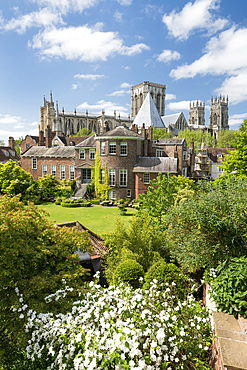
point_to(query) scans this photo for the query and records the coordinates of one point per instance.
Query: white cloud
(225, 54)
(125, 85)
(7, 119)
(108, 106)
(74, 86)
(5, 134)
(237, 119)
(88, 76)
(66, 6)
(118, 16)
(119, 93)
(42, 18)
(179, 106)
(168, 55)
(170, 96)
(127, 67)
(125, 2)
(34, 124)
(83, 43)
(197, 15)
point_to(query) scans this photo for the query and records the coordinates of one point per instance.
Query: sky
(90, 52)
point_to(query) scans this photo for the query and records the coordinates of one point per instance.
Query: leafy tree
(160, 133)
(84, 132)
(101, 190)
(140, 241)
(2, 143)
(13, 179)
(227, 138)
(162, 193)
(198, 136)
(17, 143)
(210, 227)
(236, 161)
(34, 257)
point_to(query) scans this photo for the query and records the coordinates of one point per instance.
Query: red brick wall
(118, 162)
(27, 141)
(26, 164)
(215, 356)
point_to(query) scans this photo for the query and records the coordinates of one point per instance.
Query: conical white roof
(149, 114)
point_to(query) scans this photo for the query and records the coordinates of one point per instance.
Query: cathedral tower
(197, 114)
(218, 119)
(139, 93)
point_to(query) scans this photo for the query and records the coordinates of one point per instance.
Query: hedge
(71, 205)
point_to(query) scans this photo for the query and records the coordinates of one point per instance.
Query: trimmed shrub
(130, 272)
(167, 273)
(95, 201)
(75, 204)
(122, 209)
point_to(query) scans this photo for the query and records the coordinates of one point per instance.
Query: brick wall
(27, 142)
(26, 164)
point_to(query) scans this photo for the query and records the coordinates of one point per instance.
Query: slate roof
(214, 152)
(120, 132)
(57, 151)
(169, 141)
(7, 153)
(149, 114)
(88, 142)
(171, 119)
(156, 164)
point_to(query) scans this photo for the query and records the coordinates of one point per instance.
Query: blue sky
(90, 53)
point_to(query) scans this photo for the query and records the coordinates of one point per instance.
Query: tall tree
(227, 139)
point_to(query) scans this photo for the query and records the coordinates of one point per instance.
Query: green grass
(100, 220)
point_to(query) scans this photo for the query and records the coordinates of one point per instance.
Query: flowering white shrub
(122, 328)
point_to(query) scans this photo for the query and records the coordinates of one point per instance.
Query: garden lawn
(98, 219)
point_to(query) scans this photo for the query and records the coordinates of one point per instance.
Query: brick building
(8, 152)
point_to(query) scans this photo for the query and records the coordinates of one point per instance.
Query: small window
(112, 194)
(27, 146)
(185, 156)
(71, 172)
(219, 155)
(123, 177)
(34, 163)
(159, 153)
(44, 169)
(146, 178)
(102, 176)
(62, 172)
(112, 148)
(53, 170)
(128, 193)
(81, 153)
(112, 177)
(123, 148)
(92, 154)
(102, 148)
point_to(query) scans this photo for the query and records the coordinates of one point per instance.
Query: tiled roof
(169, 141)
(214, 153)
(156, 164)
(88, 142)
(7, 153)
(148, 114)
(58, 151)
(120, 132)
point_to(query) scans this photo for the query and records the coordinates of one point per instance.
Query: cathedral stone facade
(197, 114)
(218, 119)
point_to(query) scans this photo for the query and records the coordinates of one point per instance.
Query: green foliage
(101, 190)
(236, 161)
(90, 191)
(75, 203)
(164, 274)
(84, 132)
(209, 228)
(227, 139)
(198, 136)
(2, 143)
(17, 143)
(95, 201)
(160, 133)
(130, 272)
(229, 288)
(122, 209)
(140, 241)
(34, 256)
(162, 194)
(13, 179)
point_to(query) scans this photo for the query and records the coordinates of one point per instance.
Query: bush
(122, 209)
(95, 201)
(166, 273)
(229, 288)
(130, 272)
(75, 204)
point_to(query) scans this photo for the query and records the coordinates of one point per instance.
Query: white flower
(21, 316)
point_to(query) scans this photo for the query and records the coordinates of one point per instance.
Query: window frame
(71, 172)
(128, 193)
(102, 147)
(111, 145)
(92, 154)
(44, 172)
(123, 177)
(81, 153)
(185, 155)
(145, 174)
(113, 192)
(62, 171)
(125, 146)
(159, 151)
(112, 174)
(34, 167)
(102, 175)
(52, 170)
